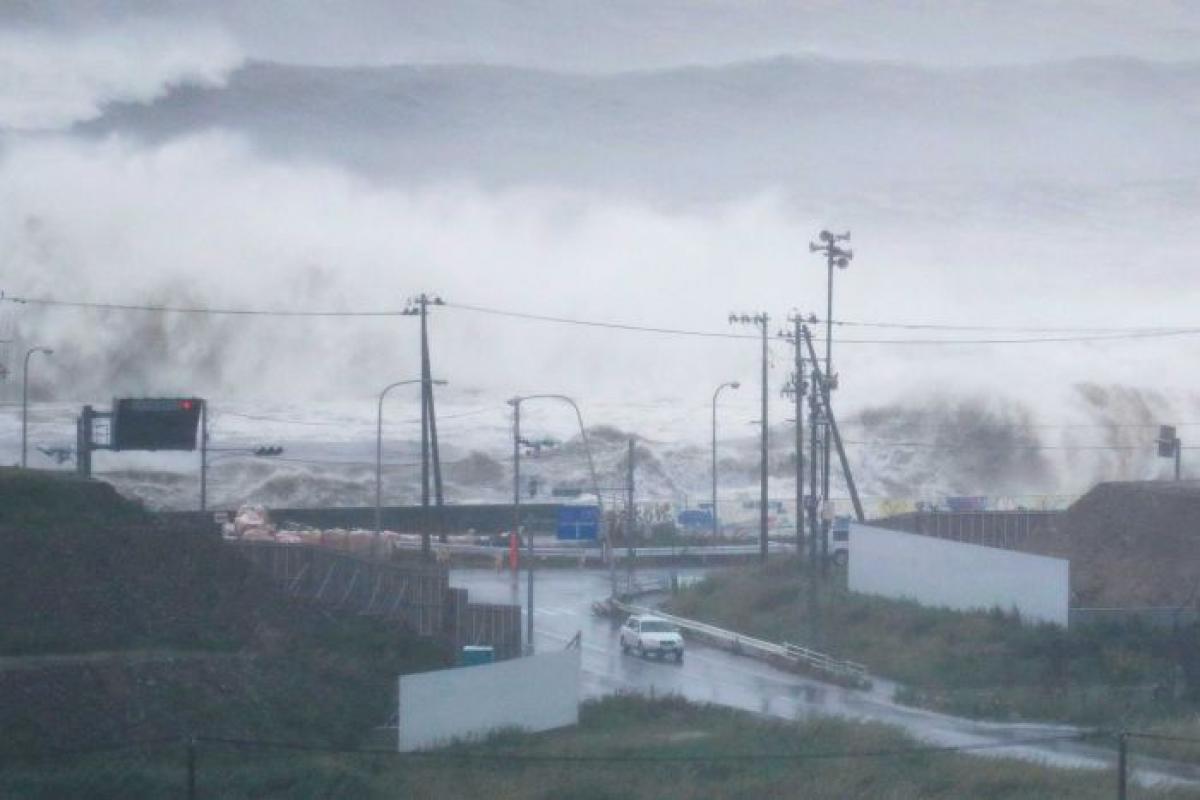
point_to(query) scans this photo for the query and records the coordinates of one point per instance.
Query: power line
(206, 310)
(1052, 425)
(938, 446)
(1101, 336)
(600, 324)
(342, 424)
(1108, 335)
(918, 326)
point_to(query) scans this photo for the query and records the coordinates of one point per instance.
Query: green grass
(986, 664)
(708, 737)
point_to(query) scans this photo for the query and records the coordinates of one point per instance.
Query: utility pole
(796, 389)
(83, 442)
(762, 321)
(419, 306)
(835, 256)
(516, 404)
(813, 459)
(427, 389)
(630, 511)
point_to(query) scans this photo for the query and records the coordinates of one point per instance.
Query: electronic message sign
(155, 423)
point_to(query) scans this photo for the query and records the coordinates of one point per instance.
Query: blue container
(474, 654)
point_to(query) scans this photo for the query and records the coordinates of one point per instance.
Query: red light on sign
(186, 405)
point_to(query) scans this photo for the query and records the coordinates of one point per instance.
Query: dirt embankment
(1134, 545)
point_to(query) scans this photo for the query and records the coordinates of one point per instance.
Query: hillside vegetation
(118, 628)
(986, 664)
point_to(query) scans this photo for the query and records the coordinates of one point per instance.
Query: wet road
(562, 604)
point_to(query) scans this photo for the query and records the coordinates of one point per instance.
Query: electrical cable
(166, 309)
(1102, 336)
(938, 446)
(1092, 335)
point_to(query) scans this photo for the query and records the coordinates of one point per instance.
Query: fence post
(191, 768)
(1122, 765)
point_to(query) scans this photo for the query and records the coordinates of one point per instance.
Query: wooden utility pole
(419, 306)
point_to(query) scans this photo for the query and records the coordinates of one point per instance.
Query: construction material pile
(1134, 545)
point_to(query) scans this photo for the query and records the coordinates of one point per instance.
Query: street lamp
(731, 385)
(25, 401)
(379, 462)
(587, 448)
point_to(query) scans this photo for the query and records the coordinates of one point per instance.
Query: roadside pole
(630, 511)
(203, 455)
(799, 390)
(516, 404)
(1122, 765)
(762, 514)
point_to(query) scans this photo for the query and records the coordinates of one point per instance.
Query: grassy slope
(985, 664)
(618, 725)
(213, 647)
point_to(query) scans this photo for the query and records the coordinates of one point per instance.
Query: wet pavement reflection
(563, 601)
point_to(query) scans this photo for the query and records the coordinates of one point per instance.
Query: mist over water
(653, 185)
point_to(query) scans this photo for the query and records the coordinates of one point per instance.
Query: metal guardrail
(596, 553)
(849, 673)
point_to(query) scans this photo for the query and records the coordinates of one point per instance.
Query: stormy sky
(1018, 165)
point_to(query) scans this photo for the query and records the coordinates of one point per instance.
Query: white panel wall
(536, 693)
(940, 572)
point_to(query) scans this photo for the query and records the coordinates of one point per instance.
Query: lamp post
(379, 461)
(731, 385)
(516, 404)
(25, 401)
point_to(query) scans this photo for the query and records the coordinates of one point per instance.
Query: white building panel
(949, 574)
